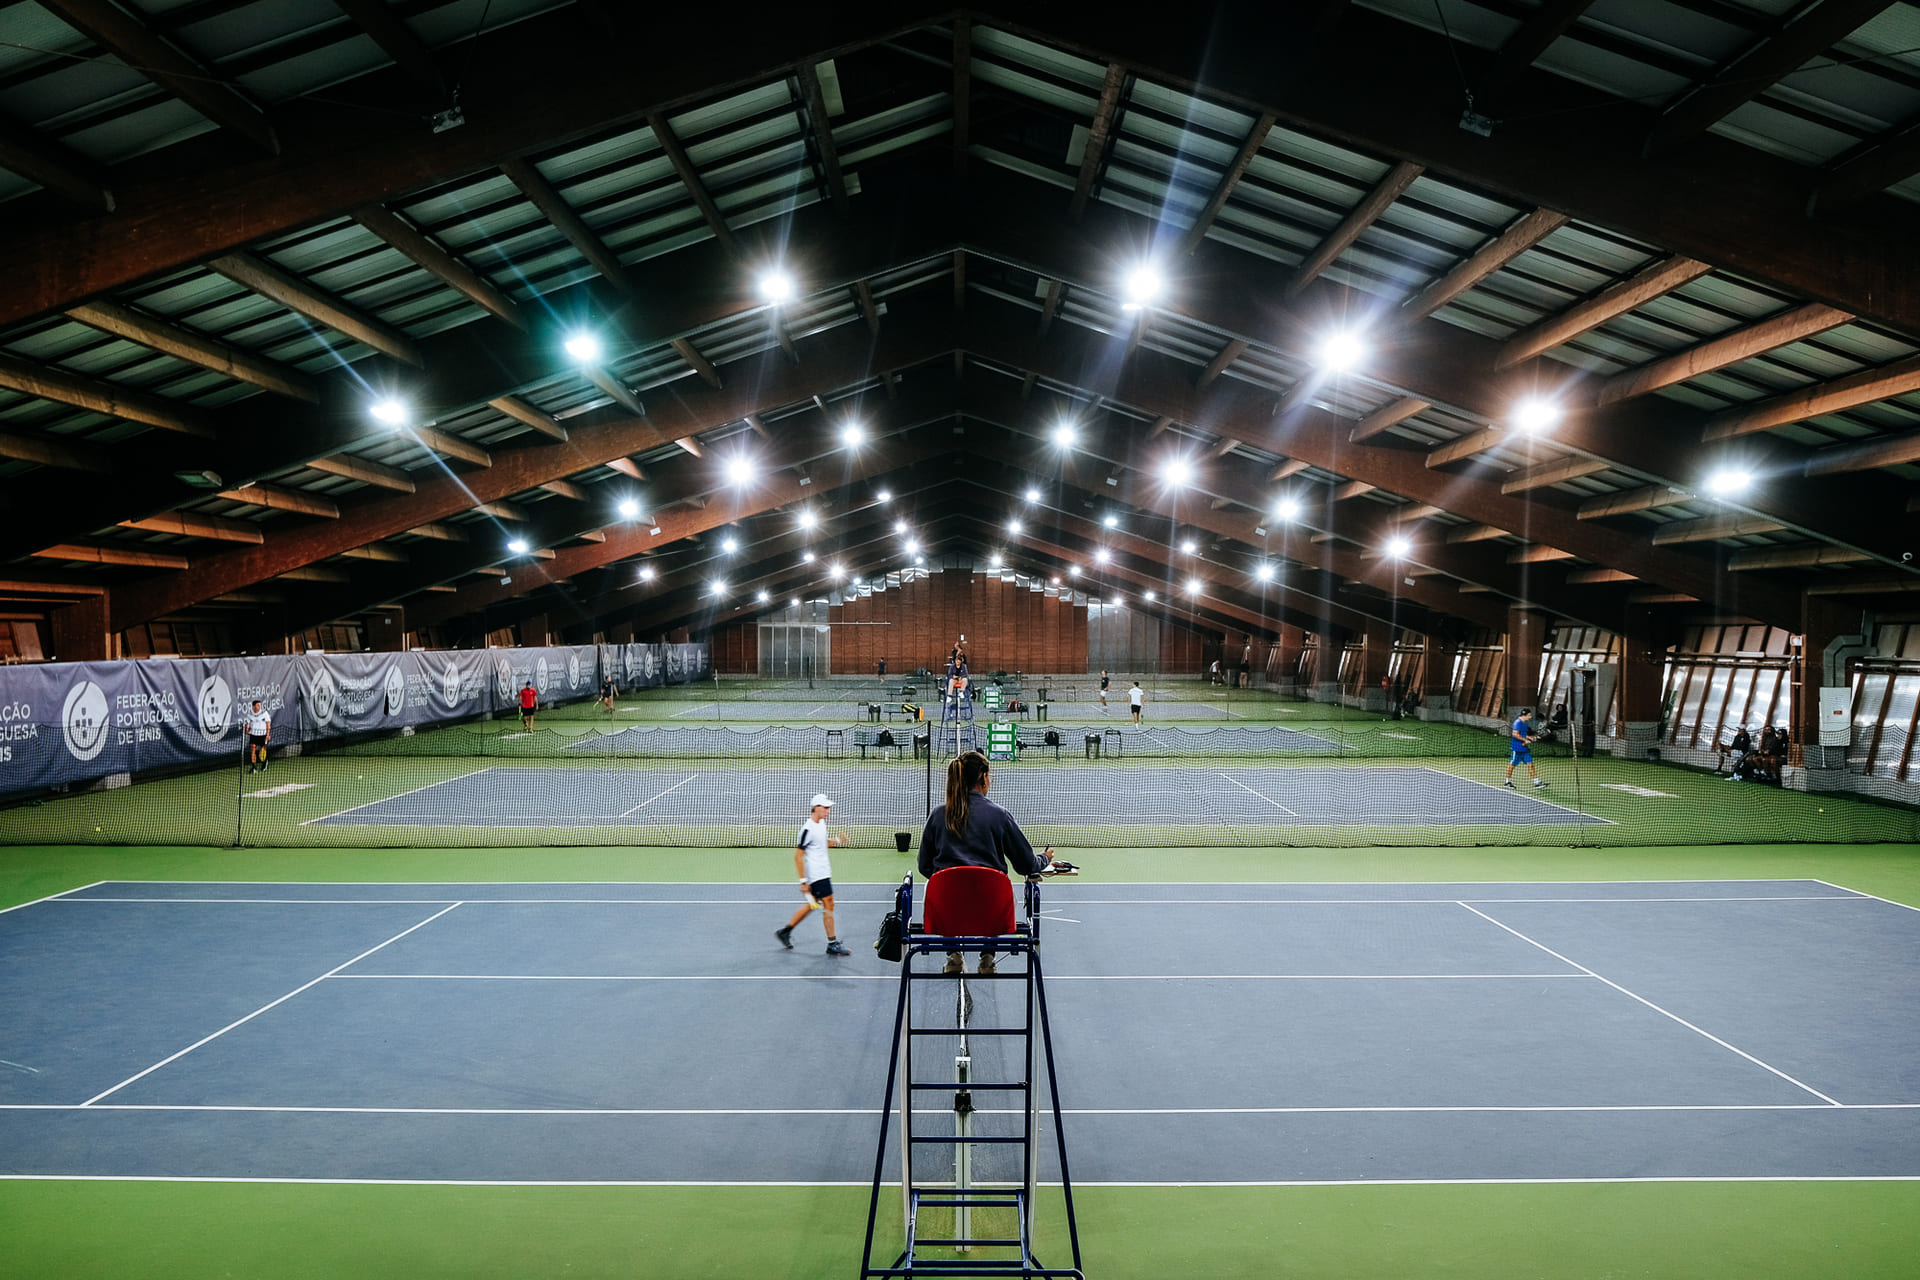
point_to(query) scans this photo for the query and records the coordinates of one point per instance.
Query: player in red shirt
(529, 701)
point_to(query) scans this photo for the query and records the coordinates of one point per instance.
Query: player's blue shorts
(1522, 755)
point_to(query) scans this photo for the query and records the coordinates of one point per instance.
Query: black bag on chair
(893, 925)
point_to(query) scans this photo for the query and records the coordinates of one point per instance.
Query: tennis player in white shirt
(259, 733)
(816, 875)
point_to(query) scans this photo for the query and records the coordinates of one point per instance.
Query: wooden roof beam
(1537, 555)
(1221, 363)
(1350, 489)
(565, 489)
(519, 410)
(1390, 414)
(377, 551)
(1841, 459)
(690, 178)
(814, 103)
(1646, 498)
(365, 471)
(1734, 524)
(698, 363)
(1595, 577)
(50, 382)
(148, 52)
(438, 531)
(192, 524)
(1849, 392)
(1654, 280)
(395, 39)
(863, 291)
(1291, 467)
(1811, 556)
(125, 555)
(1525, 232)
(962, 92)
(1223, 190)
(186, 344)
(277, 499)
(545, 197)
(1883, 163)
(1559, 471)
(271, 281)
(1099, 135)
(433, 258)
(1462, 534)
(54, 451)
(1717, 353)
(502, 511)
(36, 155)
(1810, 32)
(1466, 446)
(1350, 228)
(451, 446)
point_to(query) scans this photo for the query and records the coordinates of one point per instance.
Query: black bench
(880, 740)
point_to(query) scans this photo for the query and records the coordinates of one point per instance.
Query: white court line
(787, 900)
(1573, 1108)
(1250, 791)
(263, 1008)
(396, 795)
(702, 706)
(1078, 1182)
(650, 799)
(54, 897)
(1873, 896)
(1584, 817)
(1656, 1008)
(888, 977)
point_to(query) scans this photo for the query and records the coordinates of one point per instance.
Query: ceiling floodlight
(919, 560)
(740, 470)
(777, 286)
(835, 572)
(853, 435)
(585, 348)
(1535, 416)
(913, 545)
(1141, 287)
(806, 557)
(730, 546)
(1064, 434)
(1195, 586)
(761, 595)
(1189, 547)
(518, 546)
(794, 603)
(899, 526)
(1263, 571)
(1286, 509)
(1729, 482)
(1056, 580)
(1110, 521)
(1148, 596)
(718, 587)
(389, 412)
(1399, 545)
(885, 495)
(1103, 555)
(646, 573)
(1014, 526)
(1177, 472)
(994, 563)
(1341, 352)
(809, 518)
(1073, 571)
(629, 508)
(857, 579)
(1033, 495)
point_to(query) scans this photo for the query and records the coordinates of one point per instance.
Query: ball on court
(98, 828)
(1823, 811)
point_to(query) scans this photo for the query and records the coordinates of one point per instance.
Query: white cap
(820, 800)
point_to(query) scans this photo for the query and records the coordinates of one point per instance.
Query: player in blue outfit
(1522, 738)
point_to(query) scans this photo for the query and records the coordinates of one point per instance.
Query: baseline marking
(1584, 817)
(396, 795)
(263, 1008)
(1656, 1008)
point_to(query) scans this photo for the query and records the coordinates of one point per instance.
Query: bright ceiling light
(1103, 555)
(761, 595)
(740, 470)
(1533, 416)
(389, 412)
(806, 557)
(1064, 435)
(585, 348)
(857, 579)
(913, 545)
(1056, 580)
(646, 573)
(1729, 482)
(809, 518)
(1263, 571)
(1014, 526)
(1111, 521)
(1194, 586)
(835, 572)
(1148, 596)
(794, 603)
(885, 495)
(777, 286)
(1073, 571)
(853, 435)
(1177, 472)
(1033, 495)
(994, 563)
(518, 546)
(1189, 547)
(718, 587)
(629, 508)
(1141, 287)
(1399, 545)
(1286, 509)
(918, 560)
(1341, 352)
(899, 526)
(730, 546)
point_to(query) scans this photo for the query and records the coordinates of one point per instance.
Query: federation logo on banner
(503, 679)
(84, 719)
(573, 671)
(450, 684)
(542, 678)
(646, 663)
(215, 707)
(324, 698)
(634, 655)
(396, 690)
(673, 661)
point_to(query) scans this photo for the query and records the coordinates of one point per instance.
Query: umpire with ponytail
(970, 830)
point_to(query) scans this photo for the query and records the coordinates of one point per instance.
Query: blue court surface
(1205, 1034)
(872, 793)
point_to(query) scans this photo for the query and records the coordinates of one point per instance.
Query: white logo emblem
(673, 662)
(503, 679)
(542, 678)
(450, 684)
(396, 691)
(84, 717)
(634, 654)
(324, 697)
(646, 663)
(573, 671)
(215, 704)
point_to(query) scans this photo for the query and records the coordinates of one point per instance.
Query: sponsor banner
(69, 723)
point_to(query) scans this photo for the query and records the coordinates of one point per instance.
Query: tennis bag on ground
(893, 926)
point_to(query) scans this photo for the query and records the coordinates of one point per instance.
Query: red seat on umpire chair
(969, 902)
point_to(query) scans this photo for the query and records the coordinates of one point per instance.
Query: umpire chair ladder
(956, 720)
(933, 1004)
